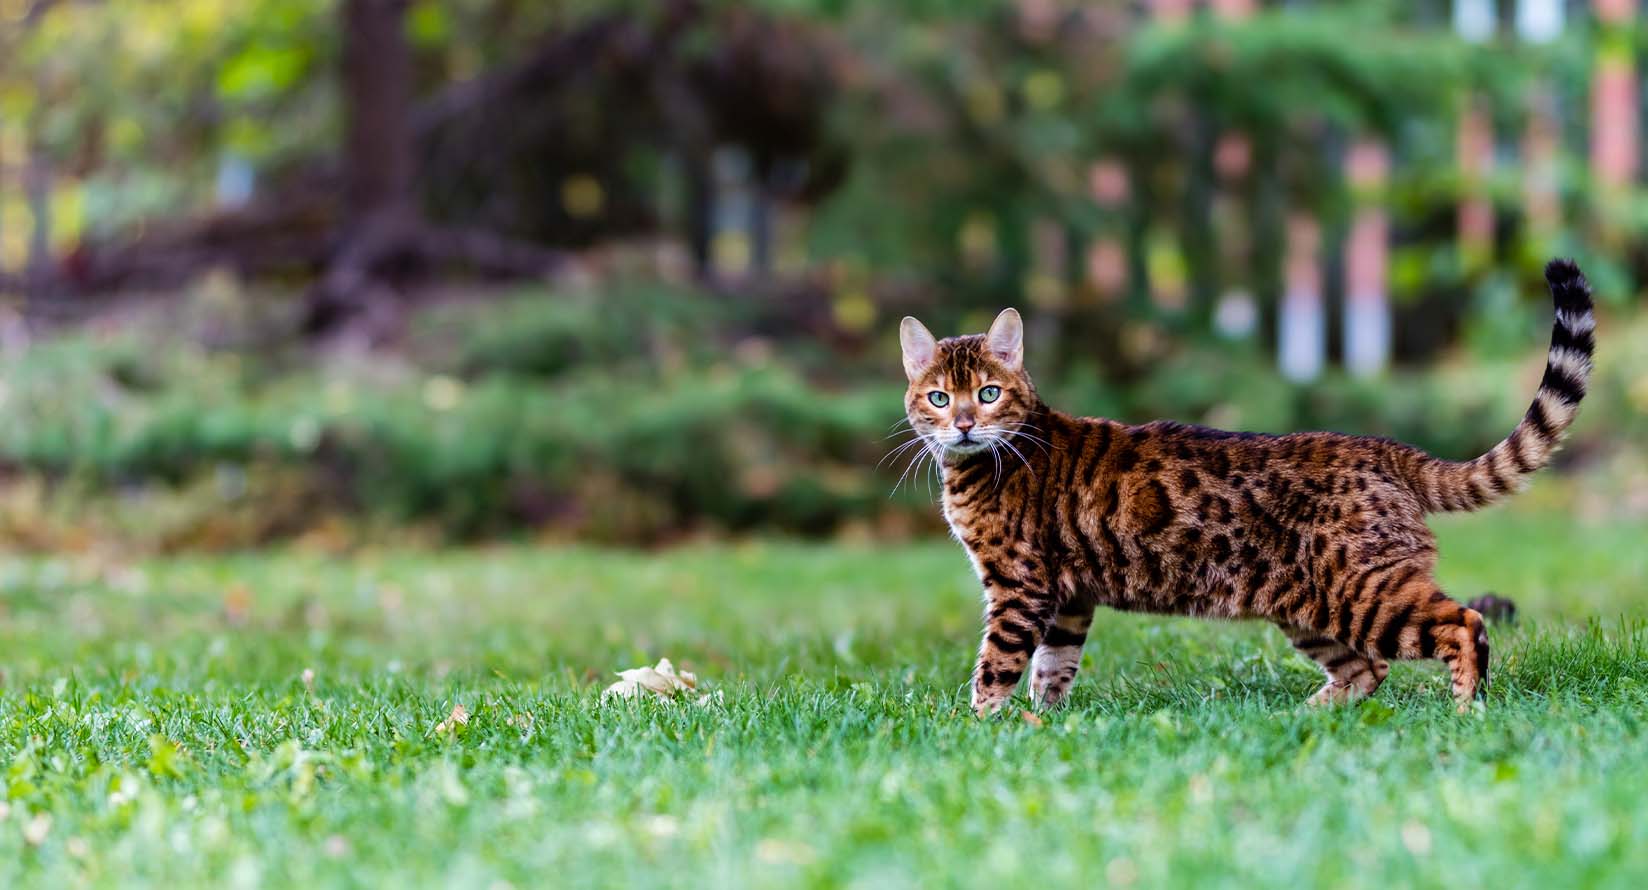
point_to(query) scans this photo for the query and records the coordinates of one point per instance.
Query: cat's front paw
(1049, 693)
(1050, 683)
(988, 702)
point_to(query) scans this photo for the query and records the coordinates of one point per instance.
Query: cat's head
(968, 393)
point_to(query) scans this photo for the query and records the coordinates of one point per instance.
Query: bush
(619, 450)
(610, 422)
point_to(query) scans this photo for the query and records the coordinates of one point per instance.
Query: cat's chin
(963, 449)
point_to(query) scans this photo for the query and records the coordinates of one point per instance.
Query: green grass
(156, 714)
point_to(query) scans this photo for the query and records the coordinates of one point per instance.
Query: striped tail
(1444, 485)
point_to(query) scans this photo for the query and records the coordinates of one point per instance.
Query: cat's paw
(1335, 694)
(1049, 691)
(986, 704)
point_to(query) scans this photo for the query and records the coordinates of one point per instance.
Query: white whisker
(891, 455)
(928, 445)
(1018, 430)
(1015, 450)
(901, 476)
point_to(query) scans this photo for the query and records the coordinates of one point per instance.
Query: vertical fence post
(1541, 21)
(1106, 254)
(1475, 21)
(1234, 313)
(1474, 155)
(1237, 313)
(1614, 129)
(1302, 335)
(1367, 310)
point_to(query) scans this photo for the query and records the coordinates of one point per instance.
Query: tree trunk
(377, 91)
(37, 179)
(380, 219)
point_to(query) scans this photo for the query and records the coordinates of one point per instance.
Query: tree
(380, 213)
(377, 81)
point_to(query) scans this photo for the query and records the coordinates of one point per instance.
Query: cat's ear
(919, 346)
(1006, 339)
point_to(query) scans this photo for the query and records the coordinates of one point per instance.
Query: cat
(1320, 533)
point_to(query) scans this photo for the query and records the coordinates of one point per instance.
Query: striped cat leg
(1350, 674)
(1415, 619)
(1054, 666)
(1014, 623)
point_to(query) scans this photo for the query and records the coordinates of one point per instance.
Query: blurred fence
(1339, 183)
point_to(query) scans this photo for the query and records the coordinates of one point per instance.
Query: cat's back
(1249, 453)
(1200, 472)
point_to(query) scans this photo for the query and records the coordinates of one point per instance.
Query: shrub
(606, 421)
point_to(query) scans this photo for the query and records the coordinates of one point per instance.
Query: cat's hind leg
(1053, 667)
(1415, 619)
(1403, 613)
(1351, 675)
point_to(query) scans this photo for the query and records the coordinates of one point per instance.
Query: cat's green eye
(989, 394)
(939, 398)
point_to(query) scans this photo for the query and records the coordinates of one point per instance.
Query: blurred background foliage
(292, 269)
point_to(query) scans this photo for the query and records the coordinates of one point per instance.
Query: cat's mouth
(966, 443)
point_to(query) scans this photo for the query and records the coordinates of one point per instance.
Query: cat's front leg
(1017, 613)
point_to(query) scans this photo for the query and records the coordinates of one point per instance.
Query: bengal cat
(1321, 533)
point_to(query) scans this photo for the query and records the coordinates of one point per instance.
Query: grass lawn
(156, 728)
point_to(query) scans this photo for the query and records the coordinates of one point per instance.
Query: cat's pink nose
(964, 423)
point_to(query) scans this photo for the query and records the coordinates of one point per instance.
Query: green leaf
(165, 759)
(261, 71)
(1375, 712)
(427, 24)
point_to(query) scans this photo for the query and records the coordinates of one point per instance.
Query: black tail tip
(1494, 608)
(1568, 284)
(1563, 271)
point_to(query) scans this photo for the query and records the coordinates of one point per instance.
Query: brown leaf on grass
(1030, 718)
(458, 717)
(237, 605)
(661, 680)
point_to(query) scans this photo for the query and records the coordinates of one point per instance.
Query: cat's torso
(1184, 520)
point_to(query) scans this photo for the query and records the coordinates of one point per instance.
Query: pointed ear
(1006, 339)
(919, 346)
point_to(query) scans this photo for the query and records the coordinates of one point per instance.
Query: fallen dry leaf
(1030, 718)
(237, 605)
(36, 829)
(774, 851)
(661, 679)
(458, 717)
